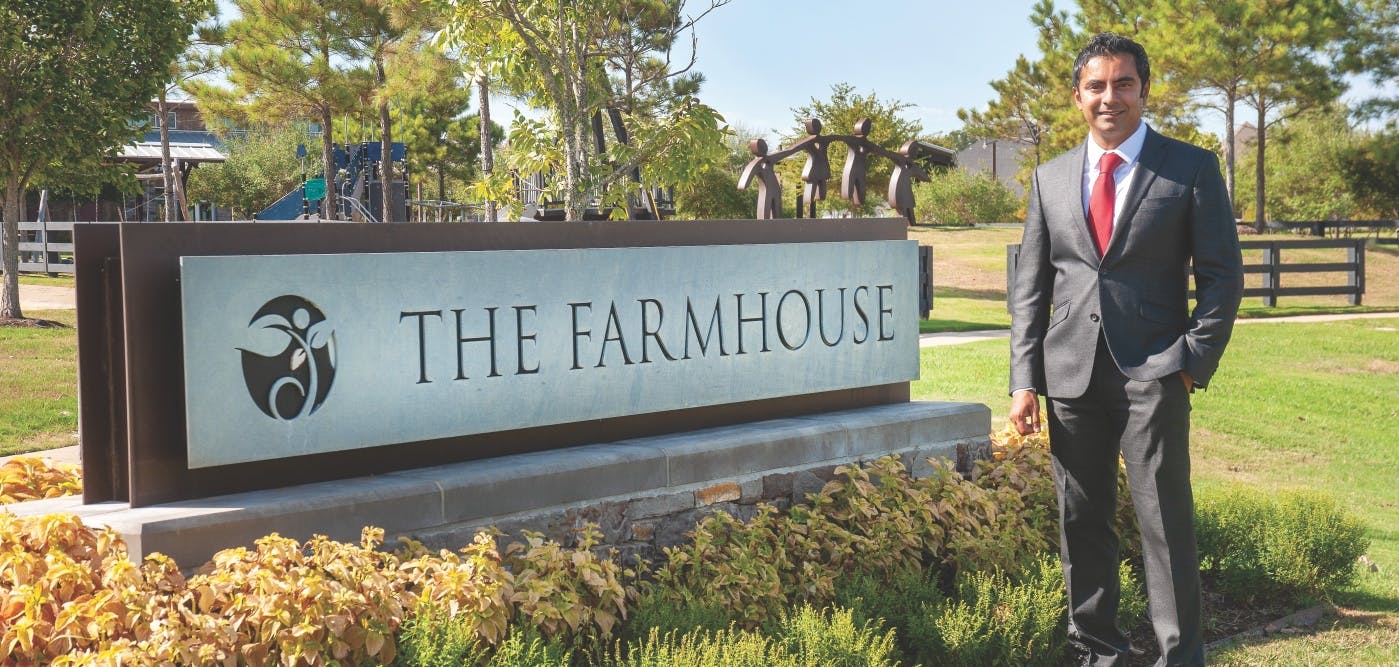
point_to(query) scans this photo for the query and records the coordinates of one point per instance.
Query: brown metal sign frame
(130, 354)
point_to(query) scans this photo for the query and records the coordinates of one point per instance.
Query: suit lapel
(1072, 184)
(1148, 164)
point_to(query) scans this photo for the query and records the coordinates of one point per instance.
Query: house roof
(188, 152)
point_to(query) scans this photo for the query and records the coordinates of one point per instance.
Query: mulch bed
(31, 323)
(1224, 619)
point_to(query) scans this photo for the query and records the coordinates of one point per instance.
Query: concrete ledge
(663, 475)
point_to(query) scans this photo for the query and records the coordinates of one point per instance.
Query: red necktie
(1100, 201)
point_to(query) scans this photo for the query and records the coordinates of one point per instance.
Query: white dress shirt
(1129, 150)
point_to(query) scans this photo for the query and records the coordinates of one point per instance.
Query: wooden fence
(1272, 267)
(51, 251)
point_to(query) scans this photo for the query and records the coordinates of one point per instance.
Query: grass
(39, 385)
(57, 280)
(1294, 405)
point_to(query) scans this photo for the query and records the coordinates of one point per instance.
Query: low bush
(569, 595)
(995, 620)
(31, 478)
(1132, 606)
(895, 601)
(873, 518)
(959, 571)
(1285, 546)
(801, 639)
(431, 637)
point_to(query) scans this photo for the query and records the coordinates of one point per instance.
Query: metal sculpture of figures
(769, 189)
(853, 178)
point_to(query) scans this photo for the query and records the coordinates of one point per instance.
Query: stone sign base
(644, 493)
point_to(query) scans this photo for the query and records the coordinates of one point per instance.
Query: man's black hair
(1107, 43)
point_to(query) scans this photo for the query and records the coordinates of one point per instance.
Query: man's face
(1110, 95)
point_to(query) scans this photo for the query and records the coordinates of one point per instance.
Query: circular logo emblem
(289, 362)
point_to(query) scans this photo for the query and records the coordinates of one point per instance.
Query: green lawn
(39, 385)
(57, 280)
(1293, 406)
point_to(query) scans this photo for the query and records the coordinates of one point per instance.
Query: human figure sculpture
(818, 166)
(769, 188)
(854, 178)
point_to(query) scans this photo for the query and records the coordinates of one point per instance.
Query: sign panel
(287, 355)
(315, 189)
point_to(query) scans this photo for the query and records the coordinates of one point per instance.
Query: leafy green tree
(1309, 184)
(576, 59)
(713, 194)
(1023, 111)
(432, 96)
(1372, 48)
(289, 61)
(196, 61)
(261, 167)
(838, 115)
(958, 197)
(72, 76)
(1370, 169)
(1262, 52)
(1033, 102)
(382, 29)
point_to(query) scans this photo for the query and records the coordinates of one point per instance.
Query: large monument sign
(290, 355)
(224, 358)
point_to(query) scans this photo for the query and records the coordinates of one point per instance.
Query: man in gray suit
(1101, 326)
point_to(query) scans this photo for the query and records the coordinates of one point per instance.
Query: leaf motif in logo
(318, 334)
(269, 341)
(270, 321)
(298, 357)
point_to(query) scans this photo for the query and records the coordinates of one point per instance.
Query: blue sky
(762, 58)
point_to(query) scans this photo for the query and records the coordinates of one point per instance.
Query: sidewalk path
(958, 337)
(46, 297)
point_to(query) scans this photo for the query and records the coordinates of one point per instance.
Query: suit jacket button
(1093, 317)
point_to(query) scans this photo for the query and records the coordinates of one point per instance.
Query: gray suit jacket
(1176, 213)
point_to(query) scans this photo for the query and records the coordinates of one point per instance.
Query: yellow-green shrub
(64, 587)
(31, 478)
(471, 587)
(69, 595)
(569, 594)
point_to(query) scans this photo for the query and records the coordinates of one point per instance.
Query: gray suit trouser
(1149, 424)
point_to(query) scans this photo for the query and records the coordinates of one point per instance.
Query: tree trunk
(1258, 213)
(9, 296)
(483, 88)
(167, 177)
(1229, 100)
(328, 208)
(386, 147)
(573, 206)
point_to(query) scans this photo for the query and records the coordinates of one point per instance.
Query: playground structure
(357, 184)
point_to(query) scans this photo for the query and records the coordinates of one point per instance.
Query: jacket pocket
(1158, 313)
(1058, 314)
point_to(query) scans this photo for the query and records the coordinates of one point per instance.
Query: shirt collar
(1130, 149)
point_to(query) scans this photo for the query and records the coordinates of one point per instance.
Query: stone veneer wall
(643, 525)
